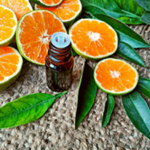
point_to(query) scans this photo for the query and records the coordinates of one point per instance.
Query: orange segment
(5, 13)
(42, 54)
(38, 18)
(20, 7)
(7, 69)
(6, 33)
(32, 50)
(13, 58)
(48, 26)
(58, 26)
(115, 76)
(4, 50)
(1, 77)
(34, 34)
(101, 39)
(8, 25)
(67, 10)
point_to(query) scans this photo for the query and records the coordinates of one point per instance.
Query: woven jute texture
(55, 130)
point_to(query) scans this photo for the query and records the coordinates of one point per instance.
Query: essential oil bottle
(59, 62)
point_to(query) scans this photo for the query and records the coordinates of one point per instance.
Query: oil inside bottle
(59, 62)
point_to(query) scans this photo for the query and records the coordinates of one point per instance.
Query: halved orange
(34, 33)
(93, 39)
(67, 11)
(47, 3)
(20, 7)
(10, 66)
(115, 76)
(8, 25)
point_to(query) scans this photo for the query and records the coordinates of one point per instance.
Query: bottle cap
(60, 39)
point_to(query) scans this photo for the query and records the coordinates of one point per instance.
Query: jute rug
(55, 130)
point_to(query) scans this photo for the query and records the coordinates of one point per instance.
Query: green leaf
(146, 18)
(74, 53)
(138, 112)
(26, 109)
(130, 6)
(109, 107)
(125, 34)
(86, 94)
(128, 11)
(144, 86)
(144, 3)
(127, 52)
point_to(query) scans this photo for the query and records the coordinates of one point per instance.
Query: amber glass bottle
(59, 62)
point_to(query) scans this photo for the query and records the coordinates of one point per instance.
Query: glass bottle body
(59, 66)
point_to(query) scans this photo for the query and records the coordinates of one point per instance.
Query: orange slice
(67, 11)
(115, 76)
(20, 7)
(10, 66)
(34, 33)
(93, 39)
(8, 25)
(47, 3)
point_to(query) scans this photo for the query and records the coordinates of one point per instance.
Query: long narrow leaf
(127, 52)
(130, 6)
(86, 94)
(144, 86)
(144, 3)
(146, 18)
(138, 112)
(109, 107)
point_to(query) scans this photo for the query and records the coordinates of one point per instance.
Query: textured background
(55, 130)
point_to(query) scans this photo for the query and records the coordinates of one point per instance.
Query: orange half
(115, 76)
(20, 7)
(10, 66)
(93, 39)
(34, 33)
(66, 11)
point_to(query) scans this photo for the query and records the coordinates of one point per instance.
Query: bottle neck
(59, 55)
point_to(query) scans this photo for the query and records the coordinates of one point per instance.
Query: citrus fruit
(34, 33)
(10, 66)
(47, 3)
(115, 76)
(20, 7)
(67, 11)
(93, 39)
(8, 25)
